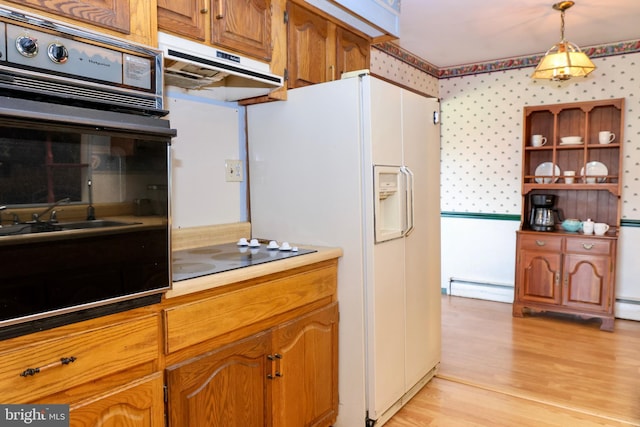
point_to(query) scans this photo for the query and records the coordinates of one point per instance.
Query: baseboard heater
(485, 284)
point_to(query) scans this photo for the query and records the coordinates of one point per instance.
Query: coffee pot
(543, 216)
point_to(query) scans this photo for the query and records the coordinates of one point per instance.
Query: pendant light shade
(564, 60)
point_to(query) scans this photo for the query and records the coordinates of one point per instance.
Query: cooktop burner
(192, 263)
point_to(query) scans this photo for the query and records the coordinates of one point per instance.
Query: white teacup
(569, 176)
(606, 137)
(538, 140)
(600, 228)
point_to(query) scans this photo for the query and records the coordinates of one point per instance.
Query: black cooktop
(202, 261)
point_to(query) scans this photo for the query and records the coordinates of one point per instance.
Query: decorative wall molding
(394, 50)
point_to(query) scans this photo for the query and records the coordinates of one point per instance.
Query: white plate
(572, 143)
(595, 169)
(547, 169)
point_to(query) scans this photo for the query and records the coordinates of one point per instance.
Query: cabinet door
(539, 276)
(243, 26)
(586, 281)
(309, 52)
(184, 17)
(139, 404)
(352, 52)
(114, 15)
(306, 364)
(226, 387)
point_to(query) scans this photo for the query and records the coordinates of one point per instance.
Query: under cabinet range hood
(230, 77)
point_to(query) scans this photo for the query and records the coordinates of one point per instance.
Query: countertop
(185, 287)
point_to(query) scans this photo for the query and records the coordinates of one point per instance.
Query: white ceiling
(448, 33)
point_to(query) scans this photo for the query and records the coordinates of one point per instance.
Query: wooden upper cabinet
(185, 17)
(319, 50)
(309, 53)
(133, 20)
(353, 52)
(114, 14)
(243, 26)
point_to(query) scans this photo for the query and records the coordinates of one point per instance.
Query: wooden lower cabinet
(226, 387)
(137, 404)
(284, 376)
(105, 369)
(305, 387)
(260, 352)
(566, 273)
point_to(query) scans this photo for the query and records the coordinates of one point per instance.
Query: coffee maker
(543, 215)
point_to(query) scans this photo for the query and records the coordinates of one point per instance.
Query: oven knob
(27, 46)
(58, 53)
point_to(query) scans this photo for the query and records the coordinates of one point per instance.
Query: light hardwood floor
(540, 370)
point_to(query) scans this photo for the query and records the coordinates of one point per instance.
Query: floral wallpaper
(481, 134)
(398, 70)
(481, 116)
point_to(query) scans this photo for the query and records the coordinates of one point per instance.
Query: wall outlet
(233, 170)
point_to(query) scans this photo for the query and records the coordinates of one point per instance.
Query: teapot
(572, 224)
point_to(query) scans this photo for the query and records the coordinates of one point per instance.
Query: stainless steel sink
(47, 227)
(28, 228)
(95, 223)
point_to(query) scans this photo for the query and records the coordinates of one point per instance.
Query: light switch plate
(233, 171)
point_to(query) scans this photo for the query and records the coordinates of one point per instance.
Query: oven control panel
(41, 51)
(45, 58)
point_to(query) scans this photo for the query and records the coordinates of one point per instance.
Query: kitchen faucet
(16, 218)
(36, 217)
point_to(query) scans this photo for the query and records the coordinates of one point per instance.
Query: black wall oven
(84, 175)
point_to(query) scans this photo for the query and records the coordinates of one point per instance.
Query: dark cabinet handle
(29, 372)
(278, 373)
(278, 369)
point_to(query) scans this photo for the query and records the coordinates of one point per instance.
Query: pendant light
(564, 60)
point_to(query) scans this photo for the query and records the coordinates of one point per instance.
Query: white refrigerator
(355, 163)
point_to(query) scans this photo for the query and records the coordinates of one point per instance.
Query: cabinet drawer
(98, 352)
(190, 323)
(588, 246)
(541, 242)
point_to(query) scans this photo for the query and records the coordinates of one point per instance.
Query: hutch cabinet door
(539, 276)
(586, 281)
(184, 17)
(306, 365)
(224, 388)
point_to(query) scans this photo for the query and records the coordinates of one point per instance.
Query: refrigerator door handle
(408, 208)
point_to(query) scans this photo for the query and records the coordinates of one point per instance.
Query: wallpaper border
(510, 217)
(397, 52)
